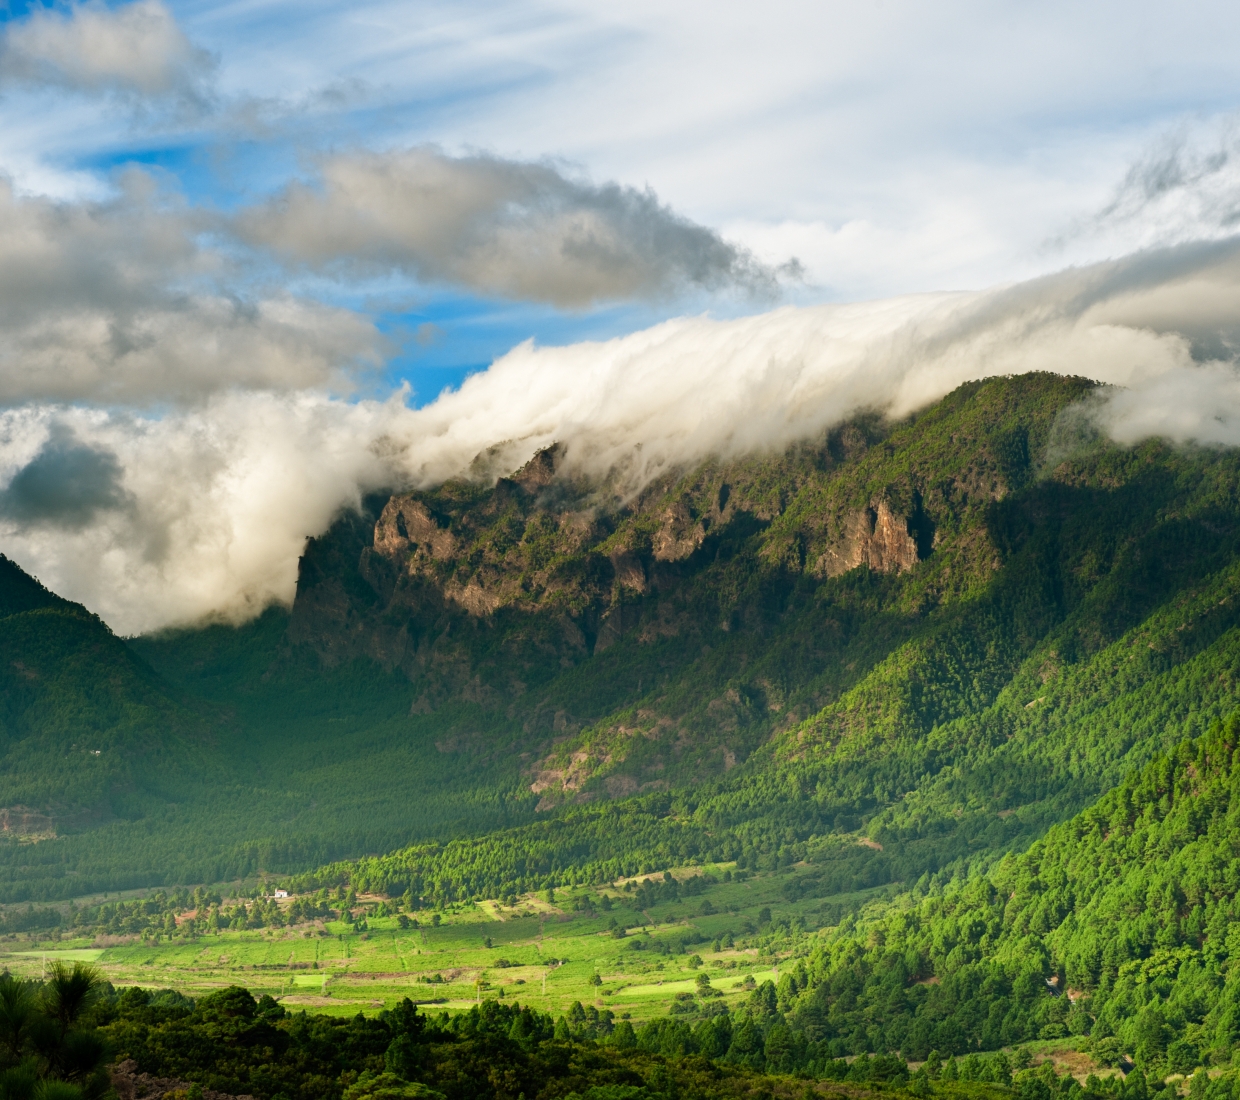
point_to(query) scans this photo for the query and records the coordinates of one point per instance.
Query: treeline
(594, 845)
(188, 913)
(231, 1043)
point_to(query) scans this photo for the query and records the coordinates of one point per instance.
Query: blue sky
(246, 246)
(891, 148)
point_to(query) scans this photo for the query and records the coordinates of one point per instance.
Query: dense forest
(56, 1034)
(920, 629)
(981, 658)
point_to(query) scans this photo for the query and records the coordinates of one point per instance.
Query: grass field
(547, 955)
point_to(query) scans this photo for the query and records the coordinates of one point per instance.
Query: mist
(201, 512)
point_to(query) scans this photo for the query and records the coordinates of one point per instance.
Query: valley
(333, 967)
(913, 742)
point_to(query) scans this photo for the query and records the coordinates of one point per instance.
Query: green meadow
(588, 945)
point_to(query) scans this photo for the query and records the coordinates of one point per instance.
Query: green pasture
(545, 955)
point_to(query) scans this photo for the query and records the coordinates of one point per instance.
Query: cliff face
(876, 537)
(521, 598)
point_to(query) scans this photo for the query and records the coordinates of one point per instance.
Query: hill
(90, 737)
(941, 635)
(1117, 924)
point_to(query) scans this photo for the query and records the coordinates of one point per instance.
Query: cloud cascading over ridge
(498, 227)
(206, 509)
(180, 345)
(672, 394)
(136, 48)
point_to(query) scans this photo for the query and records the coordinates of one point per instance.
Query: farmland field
(545, 954)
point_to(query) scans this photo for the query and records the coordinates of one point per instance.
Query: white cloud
(1198, 403)
(136, 48)
(658, 399)
(960, 136)
(497, 227)
(119, 301)
(204, 511)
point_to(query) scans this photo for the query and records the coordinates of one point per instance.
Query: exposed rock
(21, 821)
(541, 469)
(678, 536)
(568, 777)
(473, 597)
(132, 1085)
(630, 573)
(407, 524)
(874, 536)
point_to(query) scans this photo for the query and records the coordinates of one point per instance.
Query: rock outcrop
(407, 526)
(875, 536)
(132, 1085)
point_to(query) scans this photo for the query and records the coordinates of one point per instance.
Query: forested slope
(944, 634)
(89, 736)
(1105, 630)
(1119, 923)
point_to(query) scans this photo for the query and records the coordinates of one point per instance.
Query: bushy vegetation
(232, 1043)
(49, 1046)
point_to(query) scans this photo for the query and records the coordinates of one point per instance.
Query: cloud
(122, 301)
(204, 512)
(209, 506)
(1199, 403)
(639, 405)
(1183, 187)
(67, 484)
(136, 49)
(498, 227)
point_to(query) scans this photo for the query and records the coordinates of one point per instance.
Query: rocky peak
(406, 525)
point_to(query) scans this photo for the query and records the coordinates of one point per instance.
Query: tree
(387, 1086)
(69, 992)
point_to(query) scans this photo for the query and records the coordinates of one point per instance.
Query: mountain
(90, 738)
(940, 636)
(953, 632)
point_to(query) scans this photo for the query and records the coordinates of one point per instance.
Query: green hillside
(91, 740)
(942, 635)
(1118, 924)
(1053, 640)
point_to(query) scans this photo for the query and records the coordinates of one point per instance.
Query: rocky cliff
(487, 593)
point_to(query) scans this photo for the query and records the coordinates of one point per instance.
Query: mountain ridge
(481, 655)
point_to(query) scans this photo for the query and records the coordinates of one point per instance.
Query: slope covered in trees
(946, 633)
(90, 737)
(1119, 924)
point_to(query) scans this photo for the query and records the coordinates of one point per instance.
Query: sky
(259, 258)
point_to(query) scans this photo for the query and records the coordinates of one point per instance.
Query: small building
(280, 894)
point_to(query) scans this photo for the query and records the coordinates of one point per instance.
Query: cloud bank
(667, 396)
(193, 515)
(136, 48)
(204, 512)
(498, 227)
(121, 301)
